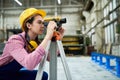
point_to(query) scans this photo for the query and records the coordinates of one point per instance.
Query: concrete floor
(82, 68)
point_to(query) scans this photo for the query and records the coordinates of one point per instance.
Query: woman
(19, 52)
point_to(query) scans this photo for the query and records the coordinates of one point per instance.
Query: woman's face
(37, 26)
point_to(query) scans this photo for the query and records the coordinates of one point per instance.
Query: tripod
(52, 48)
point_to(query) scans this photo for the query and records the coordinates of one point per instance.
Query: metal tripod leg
(63, 59)
(42, 64)
(53, 61)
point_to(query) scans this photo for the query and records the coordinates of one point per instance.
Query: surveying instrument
(52, 48)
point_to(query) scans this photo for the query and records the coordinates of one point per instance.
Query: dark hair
(30, 20)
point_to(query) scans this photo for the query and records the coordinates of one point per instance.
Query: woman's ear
(28, 25)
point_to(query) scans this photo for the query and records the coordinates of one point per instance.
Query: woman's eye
(40, 22)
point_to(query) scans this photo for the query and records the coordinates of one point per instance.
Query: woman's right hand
(50, 29)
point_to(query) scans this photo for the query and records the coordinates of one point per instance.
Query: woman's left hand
(61, 31)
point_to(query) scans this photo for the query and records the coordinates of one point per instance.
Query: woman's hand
(50, 29)
(61, 31)
(61, 34)
(58, 35)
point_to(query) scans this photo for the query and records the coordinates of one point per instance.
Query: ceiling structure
(51, 6)
(12, 4)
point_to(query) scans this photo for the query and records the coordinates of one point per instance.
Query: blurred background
(92, 26)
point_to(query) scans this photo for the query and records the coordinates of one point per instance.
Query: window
(110, 29)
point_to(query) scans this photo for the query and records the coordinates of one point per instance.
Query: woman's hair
(30, 20)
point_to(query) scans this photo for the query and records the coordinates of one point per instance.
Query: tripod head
(58, 21)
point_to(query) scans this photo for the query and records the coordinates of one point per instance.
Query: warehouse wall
(92, 18)
(11, 19)
(101, 23)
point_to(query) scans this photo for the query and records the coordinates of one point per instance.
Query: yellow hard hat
(28, 13)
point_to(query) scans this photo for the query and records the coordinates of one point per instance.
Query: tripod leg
(42, 64)
(63, 59)
(53, 61)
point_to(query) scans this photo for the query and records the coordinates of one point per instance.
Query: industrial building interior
(91, 40)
